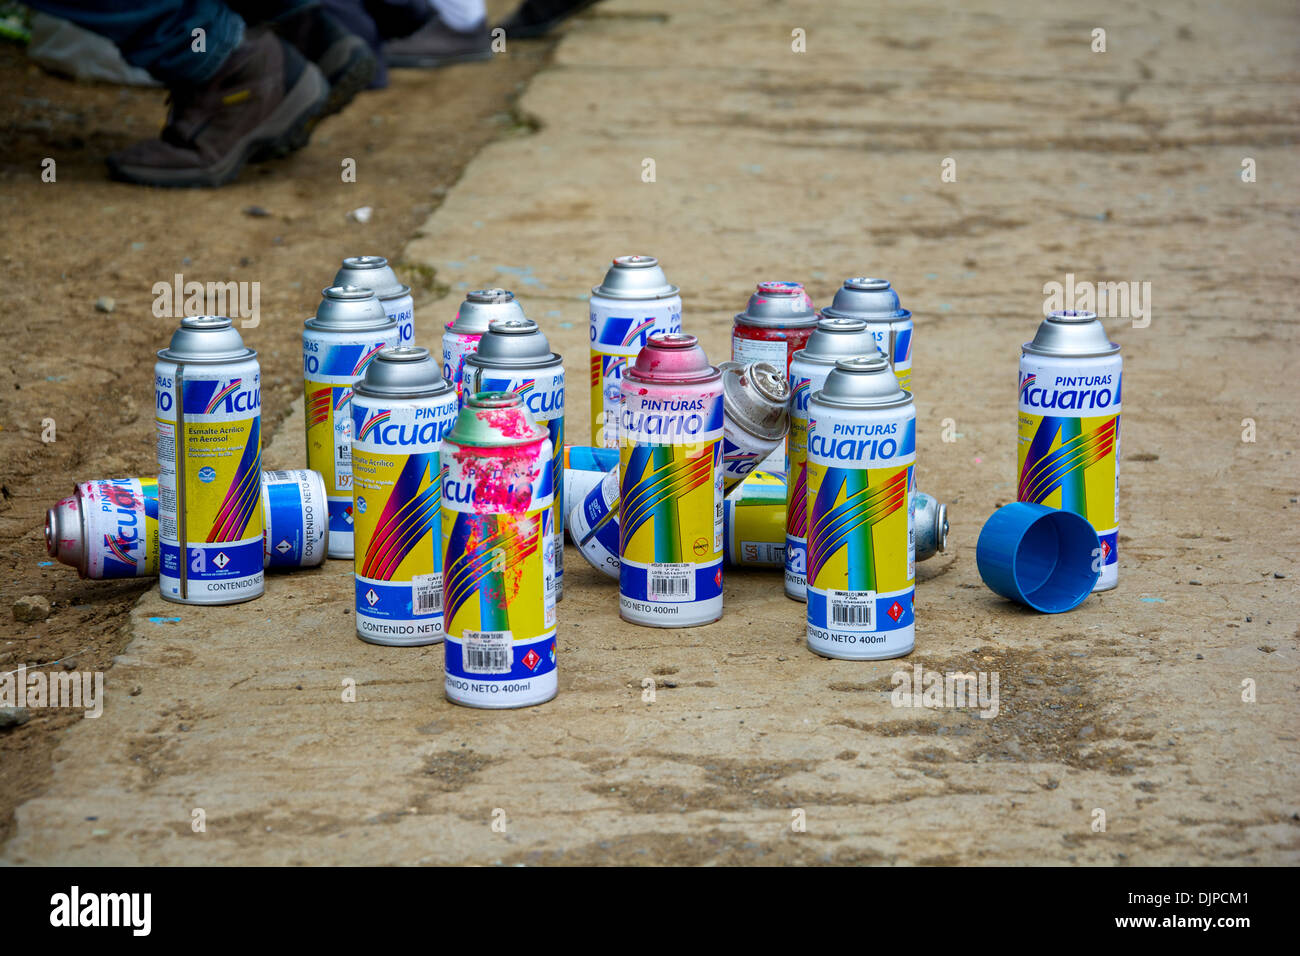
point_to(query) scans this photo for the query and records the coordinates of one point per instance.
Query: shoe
(436, 44)
(344, 57)
(535, 18)
(263, 102)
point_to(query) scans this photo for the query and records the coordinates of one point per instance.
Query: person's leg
(459, 33)
(535, 18)
(180, 42)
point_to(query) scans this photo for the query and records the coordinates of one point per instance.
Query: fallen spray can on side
(401, 411)
(834, 339)
(670, 494)
(108, 527)
(348, 330)
(462, 335)
(1069, 427)
(634, 301)
(515, 356)
(208, 415)
(861, 544)
(374, 273)
(876, 302)
(756, 410)
(498, 548)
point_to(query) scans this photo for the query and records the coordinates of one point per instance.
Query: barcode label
(280, 476)
(487, 652)
(671, 582)
(426, 593)
(852, 610)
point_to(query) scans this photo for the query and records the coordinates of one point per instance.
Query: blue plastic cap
(1038, 556)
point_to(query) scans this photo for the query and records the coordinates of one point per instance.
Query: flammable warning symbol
(1105, 549)
(532, 659)
(895, 611)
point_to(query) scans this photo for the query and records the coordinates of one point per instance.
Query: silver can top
(63, 537)
(1072, 335)
(513, 343)
(866, 381)
(931, 523)
(757, 398)
(635, 277)
(782, 305)
(402, 372)
(374, 273)
(863, 298)
(836, 338)
(484, 306)
(206, 338)
(349, 308)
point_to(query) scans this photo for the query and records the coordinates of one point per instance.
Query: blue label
(632, 582)
(539, 653)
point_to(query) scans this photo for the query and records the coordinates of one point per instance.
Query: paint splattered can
(876, 302)
(833, 339)
(756, 419)
(498, 547)
(634, 301)
(208, 413)
(861, 548)
(514, 356)
(348, 330)
(670, 486)
(401, 410)
(775, 324)
(462, 335)
(108, 527)
(374, 273)
(1069, 427)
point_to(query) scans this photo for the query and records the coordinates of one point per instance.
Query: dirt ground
(1167, 706)
(68, 243)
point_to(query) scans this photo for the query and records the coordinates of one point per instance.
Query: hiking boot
(535, 18)
(341, 55)
(436, 44)
(262, 102)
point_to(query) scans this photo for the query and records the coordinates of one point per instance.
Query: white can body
(619, 329)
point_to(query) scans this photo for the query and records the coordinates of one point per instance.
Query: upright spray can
(348, 330)
(1069, 427)
(374, 273)
(833, 340)
(461, 338)
(208, 411)
(670, 500)
(861, 549)
(498, 549)
(775, 324)
(514, 356)
(875, 302)
(401, 410)
(756, 404)
(635, 301)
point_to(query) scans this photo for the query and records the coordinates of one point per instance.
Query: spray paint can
(834, 339)
(670, 488)
(348, 330)
(401, 410)
(634, 301)
(374, 273)
(754, 522)
(1069, 427)
(208, 413)
(875, 302)
(930, 523)
(108, 527)
(476, 313)
(775, 324)
(756, 403)
(498, 547)
(861, 557)
(583, 467)
(514, 356)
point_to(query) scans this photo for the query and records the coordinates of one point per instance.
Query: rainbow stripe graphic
(117, 545)
(1030, 379)
(487, 555)
(318, 406)
(345, 398)
(1047, 468)
(372, 423)
(407, 517)
(798, 507)
(244, 495)
(362, 362)
(654, 478)
(849, 524)
(216, 399)
(798, 395)
(637, 330)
